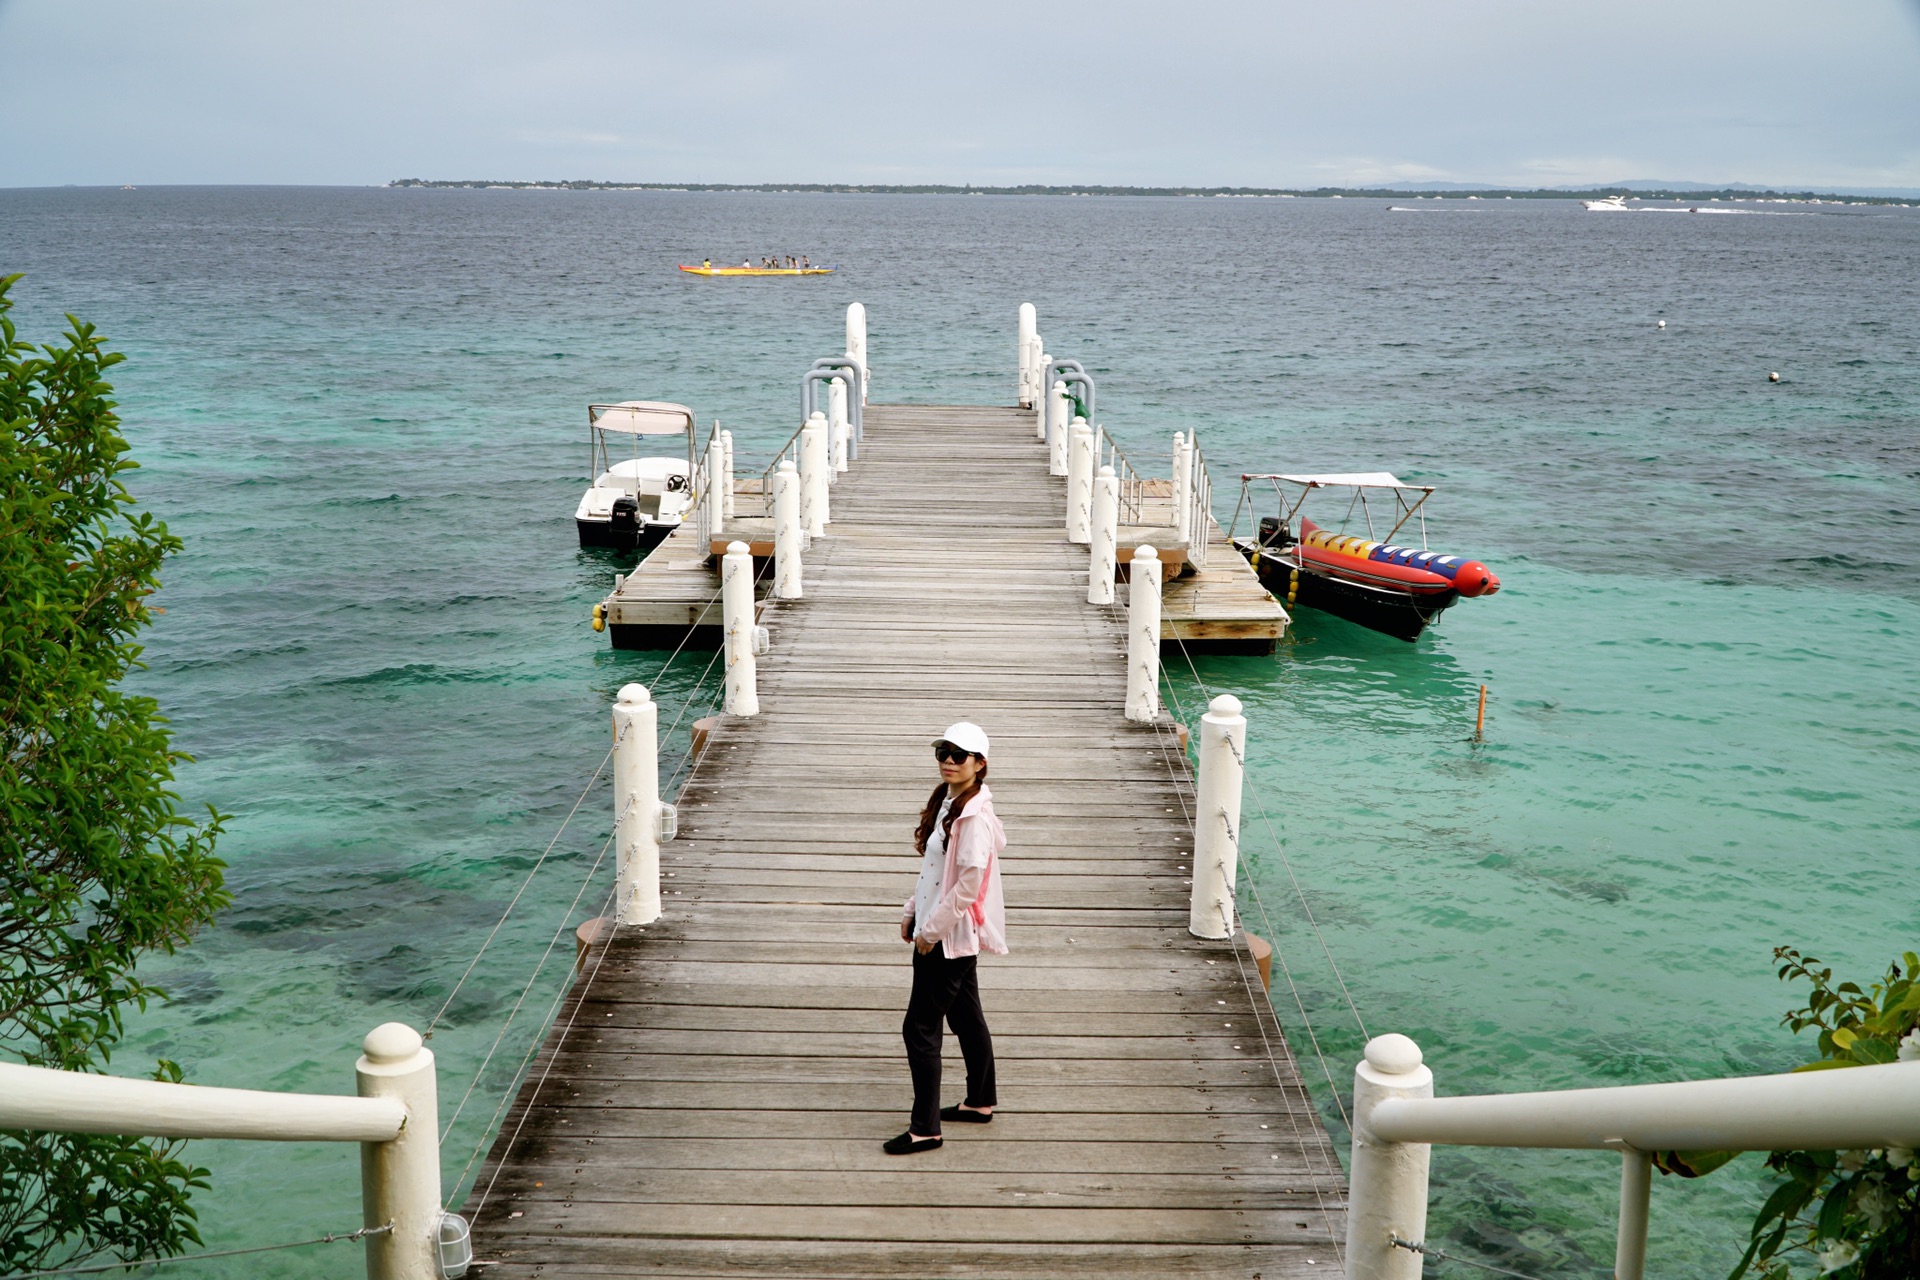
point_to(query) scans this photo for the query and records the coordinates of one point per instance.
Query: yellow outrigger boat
(756, 271)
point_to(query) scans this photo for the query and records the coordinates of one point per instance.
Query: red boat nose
(1475, 579)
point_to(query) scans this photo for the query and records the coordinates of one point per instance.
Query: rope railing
(1189, 799)
(101, 1268)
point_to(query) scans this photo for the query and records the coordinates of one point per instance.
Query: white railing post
(1630, 1245)
(726, 474)
(1143, 635)
(1023, 348)
(636, 806)
(813, 475)
(1216, 822)
(1057, 410)
(736, 606)
(1183, 488)
(839, 429)
(787, 533)
(716, 480)
(400, 1178)
(857, 342)
(1106, 535)
(1387, 1196)
(1080, 482)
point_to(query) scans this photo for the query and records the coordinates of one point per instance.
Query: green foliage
(97, 865)
(1854, 1214)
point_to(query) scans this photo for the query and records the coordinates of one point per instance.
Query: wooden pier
(713, 1095)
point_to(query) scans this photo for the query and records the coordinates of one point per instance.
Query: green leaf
(1826, 1064)
(1866, 1051)
(1691, 1164)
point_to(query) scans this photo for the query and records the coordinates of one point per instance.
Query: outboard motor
(624, 522)
(1274, 534)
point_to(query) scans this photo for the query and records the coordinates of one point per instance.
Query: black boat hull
(1399, 614)
(641, 537)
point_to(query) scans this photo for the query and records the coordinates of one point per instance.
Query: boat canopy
(642, 418)
(1349, 480)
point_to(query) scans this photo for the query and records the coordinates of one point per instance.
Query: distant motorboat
(1609, 202)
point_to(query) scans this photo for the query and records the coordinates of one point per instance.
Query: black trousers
(950, 990)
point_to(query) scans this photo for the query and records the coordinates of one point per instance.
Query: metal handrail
(789, 451)
(1200, 506)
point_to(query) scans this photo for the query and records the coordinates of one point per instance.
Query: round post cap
(739, 549)
(1393, 1054)
(1145, 553)
(391, 1042)
(634, 695)
(786, 464)
(1106, 473)
(1226, 707)
(817, 414)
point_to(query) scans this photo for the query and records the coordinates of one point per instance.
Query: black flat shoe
(906, 1144)
(956, 1112)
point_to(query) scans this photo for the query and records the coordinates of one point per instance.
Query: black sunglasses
(946, 751)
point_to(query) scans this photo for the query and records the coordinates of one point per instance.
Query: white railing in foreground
(1396, 1118)
(395, 1116)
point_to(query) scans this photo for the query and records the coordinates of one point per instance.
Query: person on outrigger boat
(804, 264)
(706, 264)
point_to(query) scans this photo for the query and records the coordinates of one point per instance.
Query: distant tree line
(1037, 189)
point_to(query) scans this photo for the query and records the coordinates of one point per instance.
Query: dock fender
(600, 617)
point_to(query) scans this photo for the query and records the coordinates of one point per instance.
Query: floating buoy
(600, 617)
(1773, 377)
(1661, 325)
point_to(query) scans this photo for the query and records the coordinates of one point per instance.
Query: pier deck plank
(713, 1094)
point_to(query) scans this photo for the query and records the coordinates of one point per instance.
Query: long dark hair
(931, 813)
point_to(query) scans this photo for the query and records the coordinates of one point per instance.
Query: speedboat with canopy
(636, 500)
(1384, 583)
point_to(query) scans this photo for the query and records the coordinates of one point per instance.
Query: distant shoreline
(935, 189)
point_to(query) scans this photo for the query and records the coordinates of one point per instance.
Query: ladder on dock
(714, 1092)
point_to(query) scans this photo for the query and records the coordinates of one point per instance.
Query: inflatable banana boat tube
(1385, 564)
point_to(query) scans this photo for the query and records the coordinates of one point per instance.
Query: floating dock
(712, 1097)
(1217, 606)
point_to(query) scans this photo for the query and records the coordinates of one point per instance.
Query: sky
(1216, 92)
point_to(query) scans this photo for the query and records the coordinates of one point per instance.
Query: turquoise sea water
(363, 410)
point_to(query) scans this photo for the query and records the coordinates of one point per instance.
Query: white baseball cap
(967, 736)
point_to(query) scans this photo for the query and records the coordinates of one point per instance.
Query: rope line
(99, 1268)
(600, 955)
(515, 900)
(1280, 849)
(526, 990)
(1397, 1243)
(1182, 784)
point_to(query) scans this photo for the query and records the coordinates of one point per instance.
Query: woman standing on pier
(956, 912)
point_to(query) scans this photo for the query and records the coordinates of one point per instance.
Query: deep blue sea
(364, 412)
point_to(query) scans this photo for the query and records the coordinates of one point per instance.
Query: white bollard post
(1106, 534)
(857, 341)
(1023, 348)
(1080, 482)
(716, 482)
(736, 606)
(1630, 1245)
(1143, 636)
(400, 1178)
(787, 533)
(1057, 409)
(726, 474)
(1387, 1195)
(839, 429)
(1183, 488)
(813, 475)
(1216, 821)
(636, 806)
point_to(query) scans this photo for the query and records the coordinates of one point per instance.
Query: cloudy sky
(1245, 92)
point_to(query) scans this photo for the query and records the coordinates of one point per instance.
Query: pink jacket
(970, 915)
